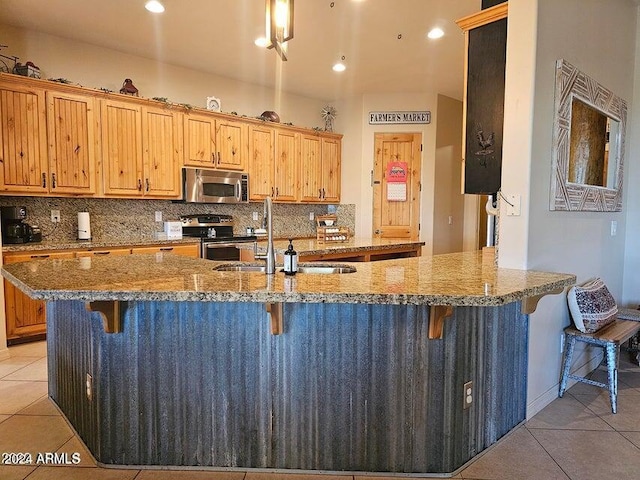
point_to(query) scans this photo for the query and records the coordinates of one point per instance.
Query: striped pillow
(591, 305)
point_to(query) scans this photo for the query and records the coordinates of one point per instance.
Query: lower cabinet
(26, 318)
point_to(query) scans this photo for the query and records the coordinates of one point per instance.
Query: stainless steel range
(217, 241)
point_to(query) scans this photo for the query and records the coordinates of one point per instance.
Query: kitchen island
(162, 360)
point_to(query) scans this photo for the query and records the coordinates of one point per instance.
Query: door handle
(378, 232)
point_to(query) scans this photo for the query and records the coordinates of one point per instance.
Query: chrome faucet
(267, 221)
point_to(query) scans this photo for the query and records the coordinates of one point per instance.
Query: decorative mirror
(588, 143)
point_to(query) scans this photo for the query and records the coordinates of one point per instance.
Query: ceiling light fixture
(261, 42)
(435, 33)
(339, 66)
(154, 6)
(279, 23)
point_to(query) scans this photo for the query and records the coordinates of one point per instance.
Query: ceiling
(383, 41)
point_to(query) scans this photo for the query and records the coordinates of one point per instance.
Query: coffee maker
(15, 229)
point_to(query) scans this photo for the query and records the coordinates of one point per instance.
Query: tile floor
(575, 437)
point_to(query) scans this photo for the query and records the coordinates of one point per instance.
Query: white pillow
(591, 305)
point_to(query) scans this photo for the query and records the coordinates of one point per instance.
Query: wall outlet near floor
(89, 387)
(468, 395)
(55, 216)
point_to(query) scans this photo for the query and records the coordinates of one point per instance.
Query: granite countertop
(311, 246)
(86, 244)
(452, 279)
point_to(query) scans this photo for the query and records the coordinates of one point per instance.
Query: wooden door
(394, 217)
(71, 127)
(23, 141)
(199, 140)
(122, 148)
(310, 168)
(25, 317)
(161, 152)
(331, 170)
(232, 145)
(286, 160)
(261, 162)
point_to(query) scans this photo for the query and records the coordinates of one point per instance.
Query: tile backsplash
(130, 220)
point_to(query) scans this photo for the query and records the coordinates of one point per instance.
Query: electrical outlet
(255, 216)
(89, 387)
(311, 216)
(614, 228)
(55, 216)
(158, 215)
(468, 395)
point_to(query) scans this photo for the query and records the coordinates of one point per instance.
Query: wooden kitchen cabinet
(96, 252)
(23, 140)
(25, 317)
(273, 163)
(141, 150)
(215, 142)
(320, 163)
(191, 250)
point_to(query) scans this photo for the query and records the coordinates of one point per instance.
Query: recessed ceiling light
(154, 6)
(261, 42)
(339, 67)
(435, 33)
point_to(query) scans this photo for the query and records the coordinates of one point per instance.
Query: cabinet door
(331, 170)
(25, 317)
(71, 127)
(232, 145)
(261, 161)
(310, 168)
(286, 159)
(122, 148)
(23, 141)
(161, 152)
(199, 140)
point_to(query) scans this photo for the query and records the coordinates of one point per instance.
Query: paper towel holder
(84, 226)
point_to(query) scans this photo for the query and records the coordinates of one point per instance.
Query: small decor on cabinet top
(328, 114)
(213, 104)
(128, 88)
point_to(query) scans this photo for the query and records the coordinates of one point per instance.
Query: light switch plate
(158, 216)
(255, 216)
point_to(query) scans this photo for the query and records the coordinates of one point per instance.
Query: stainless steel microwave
(206, 185)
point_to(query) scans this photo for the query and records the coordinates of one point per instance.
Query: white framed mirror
(588, 143)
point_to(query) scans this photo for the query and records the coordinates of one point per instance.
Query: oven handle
(221, 245)
(238, 191)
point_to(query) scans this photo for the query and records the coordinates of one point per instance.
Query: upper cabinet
(66, 140)
(48, 141)
(215, 142)
(141, 150)
(320, 169)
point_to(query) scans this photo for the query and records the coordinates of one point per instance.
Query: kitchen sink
(305, 269)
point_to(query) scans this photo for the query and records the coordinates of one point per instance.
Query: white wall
(599, 37)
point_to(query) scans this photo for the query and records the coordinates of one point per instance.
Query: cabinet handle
(323, 194)
(139, 185)
(319, 193)
(40, 256)
(44, 180)
(166, 249)
(213, 158)
(219, 159)
(272, 192)
(101, 253)
(277, 192)
(146, 182)
(53, 180)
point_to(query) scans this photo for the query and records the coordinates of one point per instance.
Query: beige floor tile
(589, 455)
(567, 413)
(633, 437)
(36, 371)
(628, 416)
(75, 447)
(188, 475)
(14, 364)
(293, 476)
(518, 456)
(42, 406)
(4, 417)
(82, 473)
(14, 396)
(369, 477)
(15, 472)
(32, 349)
(22, 433)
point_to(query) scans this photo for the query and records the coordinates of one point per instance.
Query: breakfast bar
(409, 366)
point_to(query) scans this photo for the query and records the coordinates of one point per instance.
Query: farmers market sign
(388, 118)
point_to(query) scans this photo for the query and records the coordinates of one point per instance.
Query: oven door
(227, 251)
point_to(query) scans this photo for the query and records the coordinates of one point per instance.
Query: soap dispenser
(290, 260)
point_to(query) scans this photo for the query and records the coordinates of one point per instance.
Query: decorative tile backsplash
(124, 220)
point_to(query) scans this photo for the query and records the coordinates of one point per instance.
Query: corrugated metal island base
(346, 387)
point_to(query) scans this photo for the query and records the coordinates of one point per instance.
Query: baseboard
(550, 395)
